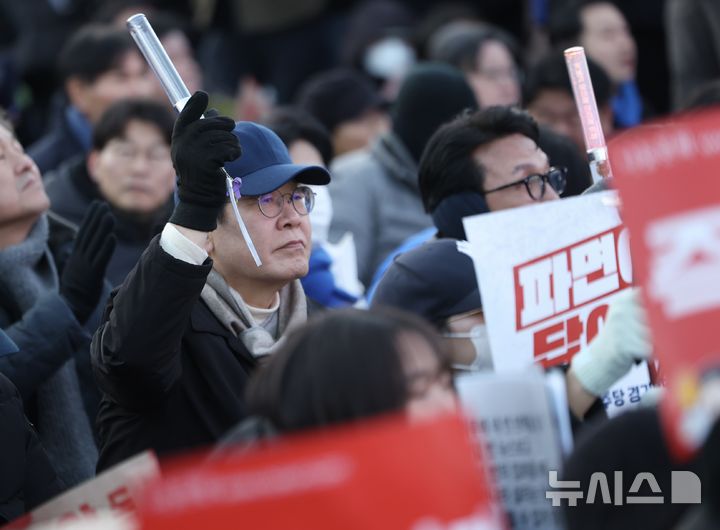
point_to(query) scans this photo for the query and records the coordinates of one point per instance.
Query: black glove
(199, 150)
(82, 278)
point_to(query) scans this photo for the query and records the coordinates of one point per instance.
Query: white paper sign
(513, 412)
(547, 273)
(115, 490)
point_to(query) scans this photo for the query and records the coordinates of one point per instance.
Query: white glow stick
(587, 109)
(156, 56)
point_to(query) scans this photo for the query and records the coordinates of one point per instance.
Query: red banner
(384, 474)
(668, 181)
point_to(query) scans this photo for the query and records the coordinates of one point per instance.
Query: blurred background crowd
(370, 90)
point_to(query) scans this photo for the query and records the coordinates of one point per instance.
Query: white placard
(513, 412)
(547, 273)
(114, 490)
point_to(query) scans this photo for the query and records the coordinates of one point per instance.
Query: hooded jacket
(376, 197)
(375, 193)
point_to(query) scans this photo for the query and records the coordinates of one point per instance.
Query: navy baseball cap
(435, 281)
(265, 164)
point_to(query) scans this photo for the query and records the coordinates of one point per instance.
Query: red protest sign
(667, 177)
(382, 475)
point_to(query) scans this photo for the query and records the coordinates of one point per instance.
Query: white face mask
(389, 57)
(479, 338)
(321, 215)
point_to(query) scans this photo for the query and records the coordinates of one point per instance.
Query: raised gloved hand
(82, 278)
(624, 339)
(199, 149)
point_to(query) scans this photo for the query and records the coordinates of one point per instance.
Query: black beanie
(336, 96)
(431, 94)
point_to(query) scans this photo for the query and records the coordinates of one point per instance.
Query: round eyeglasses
(535, 183)
(302, 199)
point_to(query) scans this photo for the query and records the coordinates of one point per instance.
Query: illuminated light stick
(587, 109)
(156, 56)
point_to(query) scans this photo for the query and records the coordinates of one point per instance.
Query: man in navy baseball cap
(266, 165)
(197, 314)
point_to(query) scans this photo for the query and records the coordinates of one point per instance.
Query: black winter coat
(172, 376)
(27, 478)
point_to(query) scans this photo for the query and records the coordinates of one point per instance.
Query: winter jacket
(67, 138)
(375, 196)
(27, 478)
(51, 370)
(172, 376)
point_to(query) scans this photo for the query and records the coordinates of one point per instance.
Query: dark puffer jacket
(27, 478)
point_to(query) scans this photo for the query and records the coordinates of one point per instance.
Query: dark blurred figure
(563, 152)
(99, 65)
(693, 40)
(348, 105)
(705, 95)
(378, 42)
(348, 365)
(175, 34)
(277, 43)
(602, 29)
(129, 166)
(631, 443)
(488, 56)
(33, 33)
(28, 478)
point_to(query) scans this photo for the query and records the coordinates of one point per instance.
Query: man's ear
(75, 89)
(210, 243)
(91, 163)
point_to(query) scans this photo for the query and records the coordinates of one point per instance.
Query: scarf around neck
(234, 314)
(27, 272)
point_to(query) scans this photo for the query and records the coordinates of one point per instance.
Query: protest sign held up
(547, 273)
(384, 475)
(676, 251)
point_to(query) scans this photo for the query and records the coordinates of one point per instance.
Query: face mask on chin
(479, 338)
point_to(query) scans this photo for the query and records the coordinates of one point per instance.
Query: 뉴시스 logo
(685, 488)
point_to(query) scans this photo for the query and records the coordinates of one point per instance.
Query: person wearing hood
(129, 166)
(205, 304)
(375, 192)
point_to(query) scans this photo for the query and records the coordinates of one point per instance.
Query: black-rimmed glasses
(535, 183)
(302, 199)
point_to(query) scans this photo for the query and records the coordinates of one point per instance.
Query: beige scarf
(236, 316)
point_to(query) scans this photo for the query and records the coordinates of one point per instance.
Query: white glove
(624, 339)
